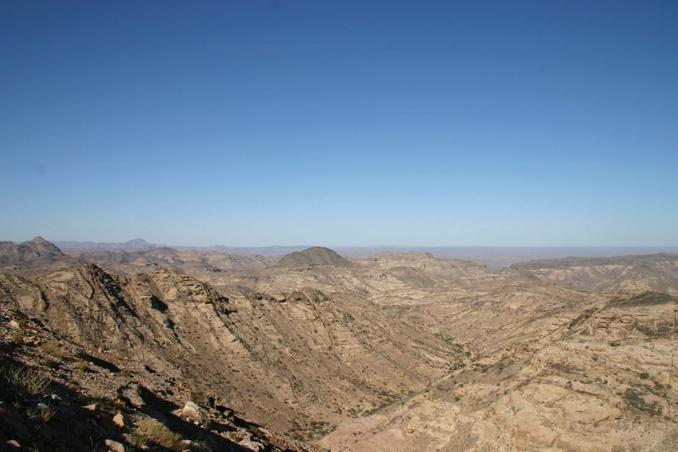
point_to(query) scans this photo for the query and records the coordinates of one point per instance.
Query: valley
(313, 350)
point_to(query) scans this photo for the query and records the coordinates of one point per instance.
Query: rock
(131, 394)
(14, 444)
(119, 420)
(114, 446)
(224, 410)
(251, 444)
(192, 410)
(91, 407)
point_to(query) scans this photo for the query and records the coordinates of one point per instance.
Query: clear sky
(340, 122)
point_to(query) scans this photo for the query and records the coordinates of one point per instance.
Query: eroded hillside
(388, 352)
(299, 363)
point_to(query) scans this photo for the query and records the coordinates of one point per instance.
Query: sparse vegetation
(138, 440)
(636, 399)
(199, 397)
(41, 413)
(152, 431)
(235, 436)
(28, 379)
(53, 349)
(81, 365)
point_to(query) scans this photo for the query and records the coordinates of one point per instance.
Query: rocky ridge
(313, 256)
(403, 349)
(37, 249)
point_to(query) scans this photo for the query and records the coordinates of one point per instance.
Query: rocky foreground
(182, 350)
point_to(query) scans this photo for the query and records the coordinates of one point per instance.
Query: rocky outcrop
(60, 396)
(34, 250)
(313, 256)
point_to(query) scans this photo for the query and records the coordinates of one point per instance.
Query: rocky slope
(299, 363)
(399, 351)
(36, 250)
(59, 395)
(604, 380)
(657, 272)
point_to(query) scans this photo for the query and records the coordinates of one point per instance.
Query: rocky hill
(313, 256)
(32, 251)
(657, 272)
(201, 263)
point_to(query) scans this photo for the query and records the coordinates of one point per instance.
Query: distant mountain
(654, 272)
(247, 250)
(130, 245)
(37, 249)
(313, 256)
(596, 261)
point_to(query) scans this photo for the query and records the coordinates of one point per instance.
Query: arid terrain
(155, 348)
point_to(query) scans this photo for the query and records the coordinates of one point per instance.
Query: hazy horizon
(338, 245)
(28, 237)
(492, 256)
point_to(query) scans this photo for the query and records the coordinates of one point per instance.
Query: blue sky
(340, 123)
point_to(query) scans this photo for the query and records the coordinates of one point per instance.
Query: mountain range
(205, 350)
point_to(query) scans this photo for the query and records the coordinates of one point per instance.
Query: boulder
(192, 411)
(119, 420)
(114, 446)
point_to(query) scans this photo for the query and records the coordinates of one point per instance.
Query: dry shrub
(81, 365)
(52, 348)
(32, 381)
(155, 432)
